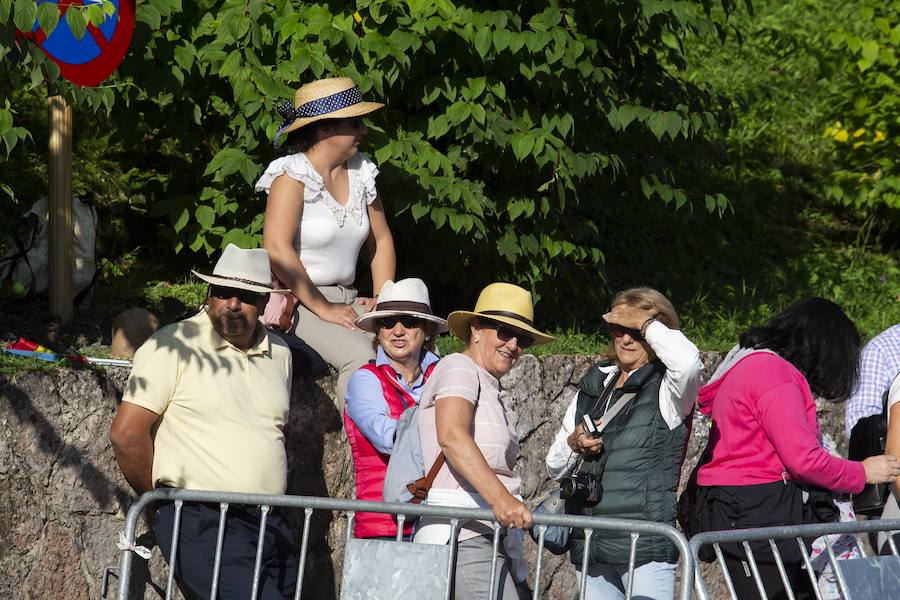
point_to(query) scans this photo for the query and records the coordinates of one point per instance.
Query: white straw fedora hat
(404, 297)
(331, 98)
(243, 270)
(503, 302)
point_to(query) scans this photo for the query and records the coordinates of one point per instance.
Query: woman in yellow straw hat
(323, 205)
(463, 420)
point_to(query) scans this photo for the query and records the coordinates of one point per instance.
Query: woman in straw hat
(463, 420)
(322, 207)
(380, 391)
(640, 400)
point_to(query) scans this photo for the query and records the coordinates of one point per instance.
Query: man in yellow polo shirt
(205, 408)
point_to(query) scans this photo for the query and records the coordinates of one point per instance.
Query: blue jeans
(652, 581)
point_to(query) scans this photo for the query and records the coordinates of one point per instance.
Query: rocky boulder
(63, 500)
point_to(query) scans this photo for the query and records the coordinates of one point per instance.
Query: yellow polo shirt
(223, 410)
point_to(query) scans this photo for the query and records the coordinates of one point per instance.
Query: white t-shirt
(329, 236)
(893, 396)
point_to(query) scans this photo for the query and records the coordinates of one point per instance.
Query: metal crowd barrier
(868, 578)
(457, 516)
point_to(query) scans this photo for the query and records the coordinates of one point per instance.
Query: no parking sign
(91, 59)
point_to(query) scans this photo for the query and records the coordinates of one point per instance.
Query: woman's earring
(427, 338)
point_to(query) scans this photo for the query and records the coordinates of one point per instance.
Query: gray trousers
(473, 571)
(343, 349)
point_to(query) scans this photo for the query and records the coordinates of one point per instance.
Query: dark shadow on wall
(60, 453)
(313, 416)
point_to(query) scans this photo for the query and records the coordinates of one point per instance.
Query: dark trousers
(195, 560)
(745, 585)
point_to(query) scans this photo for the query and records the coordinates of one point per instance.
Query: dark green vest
(641, 471)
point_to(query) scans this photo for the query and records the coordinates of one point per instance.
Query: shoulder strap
(615, 409)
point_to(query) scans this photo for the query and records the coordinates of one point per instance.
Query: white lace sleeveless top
(330, 236)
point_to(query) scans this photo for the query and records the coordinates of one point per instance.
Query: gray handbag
(556, 538)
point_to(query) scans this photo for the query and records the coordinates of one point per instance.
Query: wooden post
(60, 205)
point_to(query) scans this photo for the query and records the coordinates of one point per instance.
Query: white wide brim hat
(243, 269)
(405, 297)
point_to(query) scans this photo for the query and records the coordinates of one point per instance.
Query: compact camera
(581, 487)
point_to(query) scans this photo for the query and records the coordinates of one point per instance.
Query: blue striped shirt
(879, 364)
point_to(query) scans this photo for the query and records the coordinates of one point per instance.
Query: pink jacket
(764, 426)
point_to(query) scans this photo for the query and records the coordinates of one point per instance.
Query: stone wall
(62, 499)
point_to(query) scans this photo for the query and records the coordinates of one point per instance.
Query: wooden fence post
(60, 205)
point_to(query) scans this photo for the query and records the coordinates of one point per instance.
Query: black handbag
(867, 438)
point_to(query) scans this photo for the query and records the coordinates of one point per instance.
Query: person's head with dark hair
(819, 339)
(303, 139)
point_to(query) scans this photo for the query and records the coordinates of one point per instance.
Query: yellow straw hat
(331, 98)
(503, 302)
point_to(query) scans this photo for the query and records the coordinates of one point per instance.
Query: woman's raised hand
(512, 513)
(342, 314)
(628, 316)
(881, 469)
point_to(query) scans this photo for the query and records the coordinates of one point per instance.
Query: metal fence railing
(866, 577)
(404, 512)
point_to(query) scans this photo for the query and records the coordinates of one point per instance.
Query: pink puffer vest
(369, 463)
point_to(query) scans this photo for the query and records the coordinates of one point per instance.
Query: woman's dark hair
(817, 338)
(301, 140)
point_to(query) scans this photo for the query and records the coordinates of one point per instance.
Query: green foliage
(863, 54)
(508, 126)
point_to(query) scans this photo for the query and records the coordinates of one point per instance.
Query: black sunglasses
(619, 331)
(506, 333)
(227, 293)
(408, 322)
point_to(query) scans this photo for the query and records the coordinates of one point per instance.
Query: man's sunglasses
(505, 333)
(227, 293)
(408, 322)
(619, 331)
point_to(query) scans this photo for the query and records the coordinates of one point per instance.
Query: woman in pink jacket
(764, 450)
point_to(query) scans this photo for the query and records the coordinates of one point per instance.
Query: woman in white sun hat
(322, 207)
(380, 391)
(463, 422)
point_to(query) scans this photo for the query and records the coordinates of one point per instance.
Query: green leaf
(95, 15)
(869, 51)
(672, 122)
(226, 162)
(184, 56)
(627, 114)
(48, 17)
(109, 8)
(483, 41)
(522, 144)
(657, 125)
(6, 120)
(180, 218)
(147, 13)
(24, 14)
(5, 9)
(77, 22)
(419, 210)
(206, 216)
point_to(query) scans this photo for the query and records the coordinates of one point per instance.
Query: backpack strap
(420, 487)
